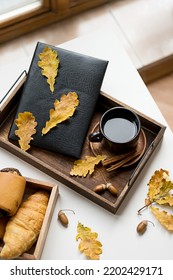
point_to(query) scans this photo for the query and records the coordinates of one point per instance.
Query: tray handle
(143, 161)
(13, 90)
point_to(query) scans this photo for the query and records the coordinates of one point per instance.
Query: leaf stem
(142, 208)
(67, 210)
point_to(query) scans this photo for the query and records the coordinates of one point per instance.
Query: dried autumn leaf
(166, 200)
(89, 245)
(64, 109)
(84, 166)
(26, 128)
(163, 217)
(159, 185)
(49, 64)
(147, 202)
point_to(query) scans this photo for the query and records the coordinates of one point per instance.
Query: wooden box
(59, 166)
(32, 186)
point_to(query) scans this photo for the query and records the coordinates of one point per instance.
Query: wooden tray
(59, 166)
(32, 186)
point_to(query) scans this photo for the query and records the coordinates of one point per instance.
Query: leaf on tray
(89, 245)
(84, 166)
(26, 128)
(159, 185)
(163, 217)
(49, 64)
(64, 109)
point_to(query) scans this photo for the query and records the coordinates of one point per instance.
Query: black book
(76, 73)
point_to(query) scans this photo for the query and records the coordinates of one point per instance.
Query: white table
(116, 232)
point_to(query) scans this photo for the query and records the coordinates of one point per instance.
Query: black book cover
(77, 72)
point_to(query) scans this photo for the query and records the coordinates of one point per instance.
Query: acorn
(63, 218)
(112, 189)
(99, 188)
(142, 226)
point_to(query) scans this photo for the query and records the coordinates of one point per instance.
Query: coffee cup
(119, 130)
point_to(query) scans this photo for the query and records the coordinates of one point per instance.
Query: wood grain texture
(41, 17)
(59, 166)
(32, 186)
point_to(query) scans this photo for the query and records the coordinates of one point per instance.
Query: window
(9, 6)
(18, 17)
(15, 11)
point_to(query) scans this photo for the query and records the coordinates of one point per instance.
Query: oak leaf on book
(26, 128)
(63, 110)
(49, 64)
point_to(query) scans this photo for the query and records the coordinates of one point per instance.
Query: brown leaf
(89, 245)
(49, 64)
(26, 128)
(64, 109)
(163, 217)
(84, 166)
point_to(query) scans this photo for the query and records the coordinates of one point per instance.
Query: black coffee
(120, 130)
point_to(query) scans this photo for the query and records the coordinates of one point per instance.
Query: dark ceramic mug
(119, 128)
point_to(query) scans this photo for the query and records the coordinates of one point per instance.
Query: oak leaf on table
(168, 199)
(89, 245)
(159, 193)
(49, 64)
(159, 185)
(63, 110)
(163, 217)
(26, 128)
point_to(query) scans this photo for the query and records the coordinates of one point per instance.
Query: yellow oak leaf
(63, 110)
(49, 64)
(82, 167)
(26, 128)
(147, 201)
(159, 185)
(163, 217)
(168, 199)
(89, 245)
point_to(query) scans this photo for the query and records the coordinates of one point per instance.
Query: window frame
(25, 13)
(50, 12)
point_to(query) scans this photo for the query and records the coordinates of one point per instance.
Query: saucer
(98, 148)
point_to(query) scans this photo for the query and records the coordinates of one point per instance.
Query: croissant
(22, 230)
(3, 222)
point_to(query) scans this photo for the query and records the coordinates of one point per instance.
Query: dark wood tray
(59, 166)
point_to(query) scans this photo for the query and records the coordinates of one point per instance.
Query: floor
(162, 92)
(143, 26)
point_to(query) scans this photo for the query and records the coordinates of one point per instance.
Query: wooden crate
(32, 186)
(59, 166)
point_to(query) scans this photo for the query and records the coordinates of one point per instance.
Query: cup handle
(95, 137)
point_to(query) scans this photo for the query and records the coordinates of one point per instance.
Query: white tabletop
(116, 232)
